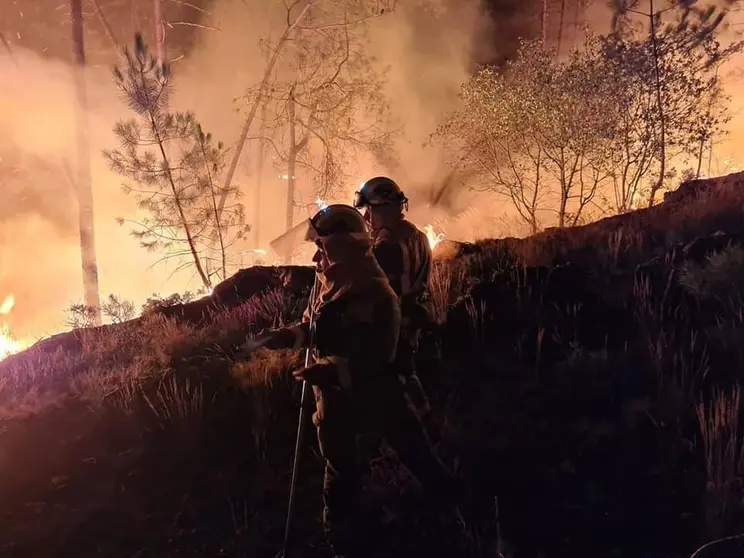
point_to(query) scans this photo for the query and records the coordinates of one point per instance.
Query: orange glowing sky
(40, 263)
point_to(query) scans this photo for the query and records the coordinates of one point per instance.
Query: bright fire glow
(8, 345)
(321, 204)
(434, 238)
(7, 305)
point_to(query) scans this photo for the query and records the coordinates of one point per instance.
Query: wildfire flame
(7, 305)
(8, 345)
(434, 238)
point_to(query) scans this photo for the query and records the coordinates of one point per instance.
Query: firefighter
(404, 253)
(356, 390)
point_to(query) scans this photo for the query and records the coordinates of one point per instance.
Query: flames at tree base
(8, 344)
(434, 237)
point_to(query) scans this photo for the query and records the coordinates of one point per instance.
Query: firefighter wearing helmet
(404, 253)
(356, 334)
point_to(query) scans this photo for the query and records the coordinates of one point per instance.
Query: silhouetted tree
(172, 168)
(694, 110)
(691, 33)
(313, 22)
(553, 135)
(325, 106)
(536, 132)
(82, 179)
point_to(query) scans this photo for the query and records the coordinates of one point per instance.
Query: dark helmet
(380, 190)
(336, 218)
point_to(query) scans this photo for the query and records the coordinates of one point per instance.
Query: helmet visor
(291, 241)
(311, 233)
(359, 200)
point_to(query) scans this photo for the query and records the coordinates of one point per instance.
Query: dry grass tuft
(176, 401)
(446, 284)
(37, 382)
(111, 362)
(724, 458)
(265, 367)
(272, 309)
(114, 363)
(722, 276)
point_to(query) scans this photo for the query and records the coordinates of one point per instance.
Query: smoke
(427, 47)
(39, 251)
(426, 80)
(427, 58)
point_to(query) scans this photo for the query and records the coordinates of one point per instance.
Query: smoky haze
(427, 60)
(726, 156)
(427, 46)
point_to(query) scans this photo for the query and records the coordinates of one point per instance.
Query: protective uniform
(405, 255)
(357, 326)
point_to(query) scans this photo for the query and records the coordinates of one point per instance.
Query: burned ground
(587, 380)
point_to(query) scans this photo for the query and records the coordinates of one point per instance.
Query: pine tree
(171, 167)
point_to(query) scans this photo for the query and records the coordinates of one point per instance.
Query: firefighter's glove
(323, 375)
(253, 344)
(274, 339)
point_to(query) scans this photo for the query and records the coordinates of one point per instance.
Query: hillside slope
(587, 378)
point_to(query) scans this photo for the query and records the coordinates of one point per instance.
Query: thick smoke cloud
(429, 47)
(427, 57)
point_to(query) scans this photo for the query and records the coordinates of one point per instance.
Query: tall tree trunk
(136, 17)
(562, 210)
(544, 23)
(190, 240)
(259, 180)
(701, 150)
(83, 179)
(660, 105)
(159, 31)
(710, 157)
(291, 166)
(578, 22)
(565, 191)
(561, 22)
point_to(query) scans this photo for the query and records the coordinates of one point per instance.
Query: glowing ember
(8, 345)
(321, 204)
(434, 238)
